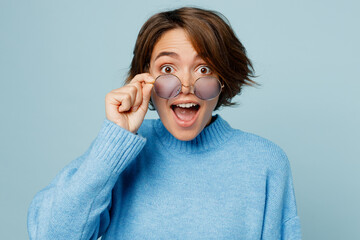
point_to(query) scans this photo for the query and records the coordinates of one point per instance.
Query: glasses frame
(193, 89)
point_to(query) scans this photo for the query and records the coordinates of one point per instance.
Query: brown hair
(213, 39)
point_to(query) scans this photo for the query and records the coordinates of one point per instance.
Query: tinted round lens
(167, 86)
(207, 88)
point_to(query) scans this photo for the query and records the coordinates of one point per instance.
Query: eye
(167, 69)
(204, 70)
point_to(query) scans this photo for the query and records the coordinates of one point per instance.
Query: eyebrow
(172, 54)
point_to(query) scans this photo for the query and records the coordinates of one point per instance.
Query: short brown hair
(213, 39)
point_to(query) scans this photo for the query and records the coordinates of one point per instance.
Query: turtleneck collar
(213, 135)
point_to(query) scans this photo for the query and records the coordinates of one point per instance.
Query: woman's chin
(184, 135)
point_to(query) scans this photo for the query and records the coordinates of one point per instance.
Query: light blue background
(58, 59)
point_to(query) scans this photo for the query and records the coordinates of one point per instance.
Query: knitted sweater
(224, 184)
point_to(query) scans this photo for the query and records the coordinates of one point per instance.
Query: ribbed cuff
(116, 146)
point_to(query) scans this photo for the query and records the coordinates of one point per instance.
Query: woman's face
(184, 116)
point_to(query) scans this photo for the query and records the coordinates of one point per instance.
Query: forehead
(175, 40)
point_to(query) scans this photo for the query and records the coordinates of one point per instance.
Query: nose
(185, 89)
(186, 84)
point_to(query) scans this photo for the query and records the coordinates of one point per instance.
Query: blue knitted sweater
(224, 184)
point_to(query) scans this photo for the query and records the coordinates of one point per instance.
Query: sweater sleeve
(281, 220)
(290, 225)
(76, 203)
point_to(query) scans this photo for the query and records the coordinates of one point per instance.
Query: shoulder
(260, 150)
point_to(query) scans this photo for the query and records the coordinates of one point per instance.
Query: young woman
(188, 175)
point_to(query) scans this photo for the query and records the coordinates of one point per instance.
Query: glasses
(169, 86)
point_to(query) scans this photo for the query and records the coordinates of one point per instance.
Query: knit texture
(224, 184)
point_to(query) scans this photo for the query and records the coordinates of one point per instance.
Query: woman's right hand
(127, 106)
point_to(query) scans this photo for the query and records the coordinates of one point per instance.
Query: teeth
(186, 105)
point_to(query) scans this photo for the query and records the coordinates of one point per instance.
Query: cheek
(210, 106)
(159, 103)
(208, 110)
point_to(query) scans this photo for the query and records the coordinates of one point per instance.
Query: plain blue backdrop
(58, 59)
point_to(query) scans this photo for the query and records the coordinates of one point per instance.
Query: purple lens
(167, 86)
(207, 88)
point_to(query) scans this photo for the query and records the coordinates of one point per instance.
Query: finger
(143, 77)
(149, 79)
(120, 100)
(138, 97)
(146, 94)
(125, 104)
(128, 89)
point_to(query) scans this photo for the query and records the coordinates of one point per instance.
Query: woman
(188, 175)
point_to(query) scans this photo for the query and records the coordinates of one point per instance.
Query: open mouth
(185, 111)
